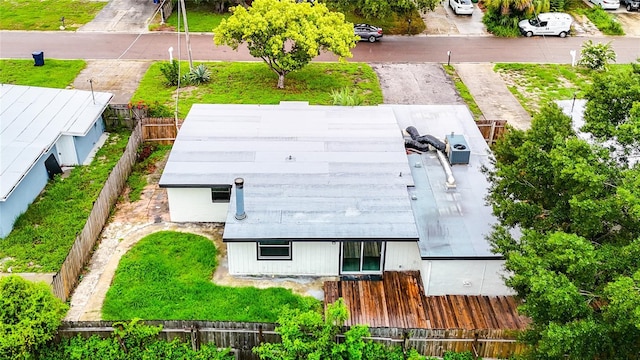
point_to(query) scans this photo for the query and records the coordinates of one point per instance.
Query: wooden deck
(398, 301)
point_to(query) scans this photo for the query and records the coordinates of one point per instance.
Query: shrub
(596, 56)
(171, 72)
(346, 97)
(29, 316)
(199, 75)
(501, 25)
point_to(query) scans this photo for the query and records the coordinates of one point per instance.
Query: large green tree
(29, 317)
(285, 34)
(577, 263)
(372, 9)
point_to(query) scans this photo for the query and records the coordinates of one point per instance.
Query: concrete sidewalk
(492, 95)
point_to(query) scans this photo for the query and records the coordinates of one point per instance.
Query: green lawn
(46, 15)
(167, 275)
(200, 18)
(255, 83)
(54, 73)
(43, 235)
(537, 84)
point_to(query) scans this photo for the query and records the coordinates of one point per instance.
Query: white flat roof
(31, 121)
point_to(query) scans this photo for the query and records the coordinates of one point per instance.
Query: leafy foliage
(577, 263)
(43, 235)
(613, 110)
(171, 72)
(29, 316)
(286, 35)
(130, 341)
(167, 275)
(372, 9)
(147, 157)
(502, 16)
(596, 56)
(306, 335)
(346, 97)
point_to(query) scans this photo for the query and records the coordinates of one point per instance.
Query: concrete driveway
(123, 16)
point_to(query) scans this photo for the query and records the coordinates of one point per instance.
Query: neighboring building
(42, 129)
(331, 191)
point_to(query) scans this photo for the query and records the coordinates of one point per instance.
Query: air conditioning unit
(458, 150)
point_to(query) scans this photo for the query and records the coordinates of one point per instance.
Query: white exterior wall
(308, 258)
(401, 256)
(464, 277)
(195, 205)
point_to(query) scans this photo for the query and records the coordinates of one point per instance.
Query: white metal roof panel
(31, 121)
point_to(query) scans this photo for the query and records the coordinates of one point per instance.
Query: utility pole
(186, 32)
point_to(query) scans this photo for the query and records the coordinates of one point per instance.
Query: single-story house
(41, 130)
(332, 191)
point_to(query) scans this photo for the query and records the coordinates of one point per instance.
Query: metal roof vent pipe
(240, 214)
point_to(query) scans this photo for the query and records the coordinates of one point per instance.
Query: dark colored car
(631, 5)
(368, 32)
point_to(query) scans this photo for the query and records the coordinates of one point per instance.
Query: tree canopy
(285, 34)
(371, 9)
(577, 263)
(29, 316)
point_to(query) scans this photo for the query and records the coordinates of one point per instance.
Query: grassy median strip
(255, 83)
(47, 15)
(167, 275)
(43, 235)
(464, 92)
(54, 74)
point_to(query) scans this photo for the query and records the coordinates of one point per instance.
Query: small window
(274, 250)
(221, 194)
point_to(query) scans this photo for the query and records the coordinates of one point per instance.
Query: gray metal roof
(31, 121)
(343, 181)
(451, 223)
(347, 177)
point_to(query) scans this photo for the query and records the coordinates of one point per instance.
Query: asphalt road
(154, 46)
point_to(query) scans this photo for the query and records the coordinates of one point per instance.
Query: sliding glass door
(362, 257)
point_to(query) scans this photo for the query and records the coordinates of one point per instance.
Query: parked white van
(547, 24)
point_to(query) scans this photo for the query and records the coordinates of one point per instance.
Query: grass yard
(54, 73)
(255, 83)
(46, 15)
(537, 84)
(391, 25)
(167, 275)
(43, 235)
(603, 20)
(200, 18)
(464, 92)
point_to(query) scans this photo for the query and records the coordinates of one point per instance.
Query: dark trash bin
(38, 58)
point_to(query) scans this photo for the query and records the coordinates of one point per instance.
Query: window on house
(274, 250)
(221, 194)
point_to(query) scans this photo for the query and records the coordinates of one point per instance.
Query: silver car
(368, 32)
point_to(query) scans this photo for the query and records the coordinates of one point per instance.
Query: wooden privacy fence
(66, 278)
(242, 337)
(491, 130)
(124, 115)
(161, 130)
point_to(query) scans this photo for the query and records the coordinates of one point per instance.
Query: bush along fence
(243, 337)
(67, 277)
